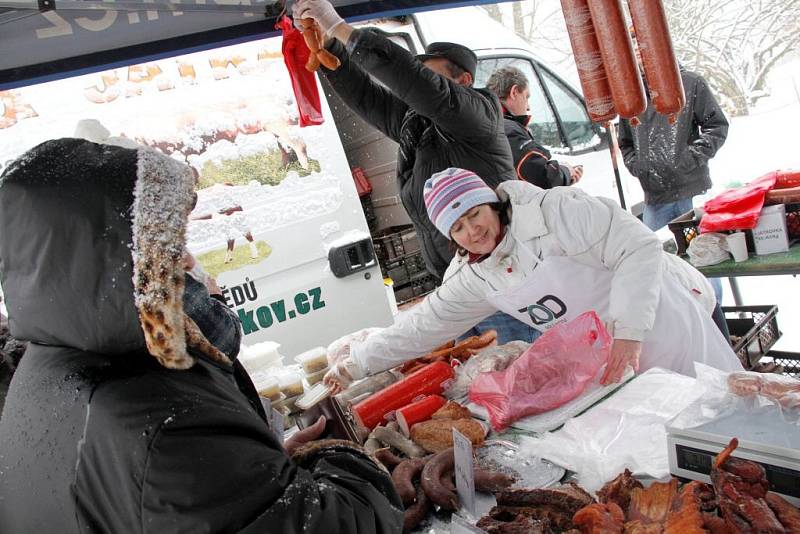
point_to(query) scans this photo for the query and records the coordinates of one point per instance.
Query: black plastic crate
(687, 226)
(395, 242)
(418, 286)
(754, 330)
(788, 363)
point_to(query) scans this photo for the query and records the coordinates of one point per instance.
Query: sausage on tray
(591, 71)
(395, 439)
(658, 57)
(616, 50)
(388, 458)
(415, 513)
(403, 478)
(431, 480)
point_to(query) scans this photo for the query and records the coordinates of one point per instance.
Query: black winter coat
(97, 436)
(671, 160)
(438, 124)
(532, 161)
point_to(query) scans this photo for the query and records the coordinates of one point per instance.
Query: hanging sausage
(616, 50)
(658, 57)
(591, 72)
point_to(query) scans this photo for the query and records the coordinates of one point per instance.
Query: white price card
(459, 525)
(276, 424)
(465, 481)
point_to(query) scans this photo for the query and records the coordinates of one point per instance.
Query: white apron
(559, 289)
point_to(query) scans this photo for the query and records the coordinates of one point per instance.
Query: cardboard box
(770, 234)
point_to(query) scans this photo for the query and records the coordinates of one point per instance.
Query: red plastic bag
(304, 83)
(737, 209)
(553, 371)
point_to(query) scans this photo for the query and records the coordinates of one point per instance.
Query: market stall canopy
(49, 39)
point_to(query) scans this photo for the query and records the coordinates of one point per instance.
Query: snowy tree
(733, 44)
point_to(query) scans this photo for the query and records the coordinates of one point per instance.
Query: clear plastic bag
(553, 371)
(625, 431)
(708, 249)
(340, 349)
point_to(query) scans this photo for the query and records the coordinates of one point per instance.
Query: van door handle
(352, 258)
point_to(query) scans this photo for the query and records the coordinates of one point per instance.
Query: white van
(278, 220)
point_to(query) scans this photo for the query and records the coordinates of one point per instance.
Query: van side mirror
(345, 260)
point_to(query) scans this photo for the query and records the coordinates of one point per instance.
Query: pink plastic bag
(737, 209)
(553, 371)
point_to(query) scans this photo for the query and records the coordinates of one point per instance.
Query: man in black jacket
(532, 161)
(671, 160)
(99, 433)
(426, 104)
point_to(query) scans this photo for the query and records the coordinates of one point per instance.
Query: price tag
(276, 424)
(459, 525)
(465, 481)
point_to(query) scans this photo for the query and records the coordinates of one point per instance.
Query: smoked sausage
(658, 57)
(591, 71)
(616, 50)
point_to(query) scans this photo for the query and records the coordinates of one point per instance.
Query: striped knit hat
(449, 194)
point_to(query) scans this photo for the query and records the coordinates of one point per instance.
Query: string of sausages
(606, 61)
(312, 34)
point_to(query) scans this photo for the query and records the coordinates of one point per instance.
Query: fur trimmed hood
(91, 250)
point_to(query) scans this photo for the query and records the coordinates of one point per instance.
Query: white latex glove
(341, 375)
(321, 11)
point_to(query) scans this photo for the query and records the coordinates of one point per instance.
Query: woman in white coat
(545, 257)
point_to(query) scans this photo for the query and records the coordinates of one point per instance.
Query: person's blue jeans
(508, 329)
(656, 216)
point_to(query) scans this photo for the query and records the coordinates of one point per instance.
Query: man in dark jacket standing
(116, 420)
(671, 160)
(426, 104)
(532, 161)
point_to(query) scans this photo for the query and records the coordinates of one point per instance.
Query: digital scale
(763, 437)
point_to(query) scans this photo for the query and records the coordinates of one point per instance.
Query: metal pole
(613, 149)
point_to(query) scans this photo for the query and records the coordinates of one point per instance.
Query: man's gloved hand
(301, 437)
(321, 11)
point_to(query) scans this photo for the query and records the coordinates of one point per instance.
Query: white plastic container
(313, 360)
(268, 387)
(314, 378)
(313, 396)
(291, 384)
(261, 357)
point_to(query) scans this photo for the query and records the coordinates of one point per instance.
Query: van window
(543, 123)
(574, 118)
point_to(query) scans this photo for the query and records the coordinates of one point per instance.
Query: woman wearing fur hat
(545, 257)
(122, 416)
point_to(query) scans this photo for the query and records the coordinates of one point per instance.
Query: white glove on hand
(321, 11)
(341, 375)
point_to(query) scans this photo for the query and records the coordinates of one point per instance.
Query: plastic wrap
(708, 249)
(741, 394)
(552, 372)
(495, 358)
(624, 431)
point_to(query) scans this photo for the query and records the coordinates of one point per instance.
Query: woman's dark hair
(502, 208)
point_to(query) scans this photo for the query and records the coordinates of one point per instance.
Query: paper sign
(276, 424)
(465, 481)
(459, 525)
